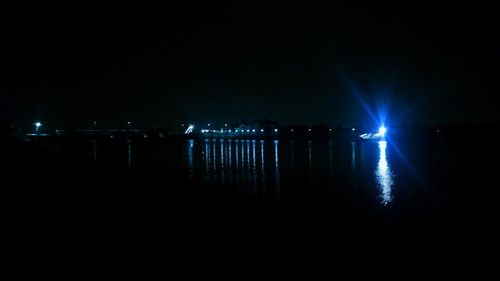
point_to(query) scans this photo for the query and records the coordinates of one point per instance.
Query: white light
(275, 130)
(189, 130)
(310, 130)
(384, 175)
(225, 125)
(236, 131)
(230, 131)
(354, 129)
(38, 124)
(253, 131)
(248, 131)
(208, 124)
(382, 130)
(262, 130)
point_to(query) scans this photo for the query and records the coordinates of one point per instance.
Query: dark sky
(294, 62)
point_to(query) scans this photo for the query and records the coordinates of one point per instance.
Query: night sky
(293, 62)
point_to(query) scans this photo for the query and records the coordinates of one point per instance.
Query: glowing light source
(262, 130)
(37, 126)
(382, 130)
(189, 130)
(253, 131)
(353, 129)
(275, 130)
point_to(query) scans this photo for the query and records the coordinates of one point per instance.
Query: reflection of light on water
(190, 157)
(353, 156)
(230, 159)
(207, 156)
(262, 175)
(276, 166)
(384, 174)
(237, 151)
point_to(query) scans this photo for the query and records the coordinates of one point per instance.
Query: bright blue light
(248, 131)
(253, 131)
(354, 129)
(382, 130)
(236, 131)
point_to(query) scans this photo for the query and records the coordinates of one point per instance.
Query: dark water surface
(207, 186)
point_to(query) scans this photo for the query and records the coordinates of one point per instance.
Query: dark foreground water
(248, 190)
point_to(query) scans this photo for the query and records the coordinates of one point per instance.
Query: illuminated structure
(380, 135)
(189, 130)
(37, 127)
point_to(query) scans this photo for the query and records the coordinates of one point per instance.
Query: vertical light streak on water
(276, 168)
(190, 147)
(222, 153)
(236, 154)
(222, 167)
(242, 154)
(230, 159)
(353, 156)
(254, 167)
(248, 154)
(384, 175)
(262, 172)
(207, 156)
(214, 159)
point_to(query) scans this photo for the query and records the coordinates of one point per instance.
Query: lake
(411, 186)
